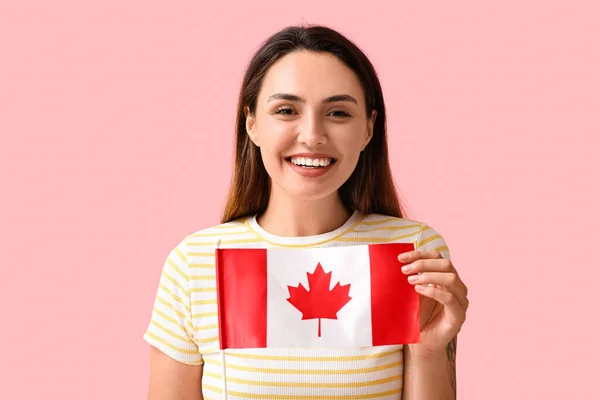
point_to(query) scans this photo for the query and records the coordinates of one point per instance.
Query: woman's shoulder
(390, 228)
(238, 226)
(393, 228)
(383, 219)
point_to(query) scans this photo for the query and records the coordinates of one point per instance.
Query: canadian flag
(350, 296)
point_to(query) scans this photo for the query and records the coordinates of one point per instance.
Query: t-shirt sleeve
(430, 239)
(170, 329)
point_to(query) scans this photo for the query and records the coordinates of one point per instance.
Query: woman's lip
(309, 172)
(310, 155)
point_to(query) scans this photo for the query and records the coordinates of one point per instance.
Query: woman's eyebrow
(293, 97)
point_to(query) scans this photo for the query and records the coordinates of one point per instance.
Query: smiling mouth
(311, 163)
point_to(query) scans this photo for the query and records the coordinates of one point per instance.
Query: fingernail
(419, 288)
(403, 257)
(413, 278)
(407, 268)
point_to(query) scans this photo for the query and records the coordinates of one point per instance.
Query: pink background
(117, 131)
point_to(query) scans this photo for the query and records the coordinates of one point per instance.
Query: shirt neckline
(304, 241)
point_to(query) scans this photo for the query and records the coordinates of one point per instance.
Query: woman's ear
(251, 125)
(369, 133)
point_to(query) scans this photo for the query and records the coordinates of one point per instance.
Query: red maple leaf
(319, 302)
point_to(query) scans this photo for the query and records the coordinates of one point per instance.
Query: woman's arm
(173, 380)
(175, 362)
(430, 365)
(431, 376)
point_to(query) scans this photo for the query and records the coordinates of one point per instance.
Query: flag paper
(351, 296)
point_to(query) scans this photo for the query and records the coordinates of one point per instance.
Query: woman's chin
(309, 192)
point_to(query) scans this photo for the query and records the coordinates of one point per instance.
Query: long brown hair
(370, 188)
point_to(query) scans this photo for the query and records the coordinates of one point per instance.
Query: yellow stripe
(165, 316)
(214, 389)
(212, 361)
(185, 351)
(223, 242)
(315, 371)
(378, 239)
(428, 240)
(172, 320)
(424, 227)
(197, 265)
(441, 248)
(212, 375)
(218, 234)
(201, 254)
(206, 327)
(203, 302)
(203, 290)
(303, 245)
(168, 332)
(166, 303)
(206, 314)
(230, 225)
(312, 384)
(174, 297)
(174, 282)
(181, 255)
(318, 359)
(319, 397)
(176, 268)
(381, 221)
(389, 228)
(203, 277)
(207, 340)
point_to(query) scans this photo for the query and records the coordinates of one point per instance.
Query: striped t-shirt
(184, 319)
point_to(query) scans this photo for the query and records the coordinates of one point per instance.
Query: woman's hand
(443, 305)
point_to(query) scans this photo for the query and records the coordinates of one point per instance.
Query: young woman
(311, 170)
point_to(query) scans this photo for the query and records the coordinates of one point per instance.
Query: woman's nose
(312, 132)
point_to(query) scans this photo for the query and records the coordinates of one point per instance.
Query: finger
(429, 265)
(443, 281)
(411, 256)
(450, 302)
(449, 281)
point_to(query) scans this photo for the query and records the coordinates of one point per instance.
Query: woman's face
(310, 124)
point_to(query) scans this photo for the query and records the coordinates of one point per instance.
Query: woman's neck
(292, 217)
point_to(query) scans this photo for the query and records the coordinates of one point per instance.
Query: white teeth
(310, 162)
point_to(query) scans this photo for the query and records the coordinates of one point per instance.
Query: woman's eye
(289, 111)
(340, 113)
(284, 111)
